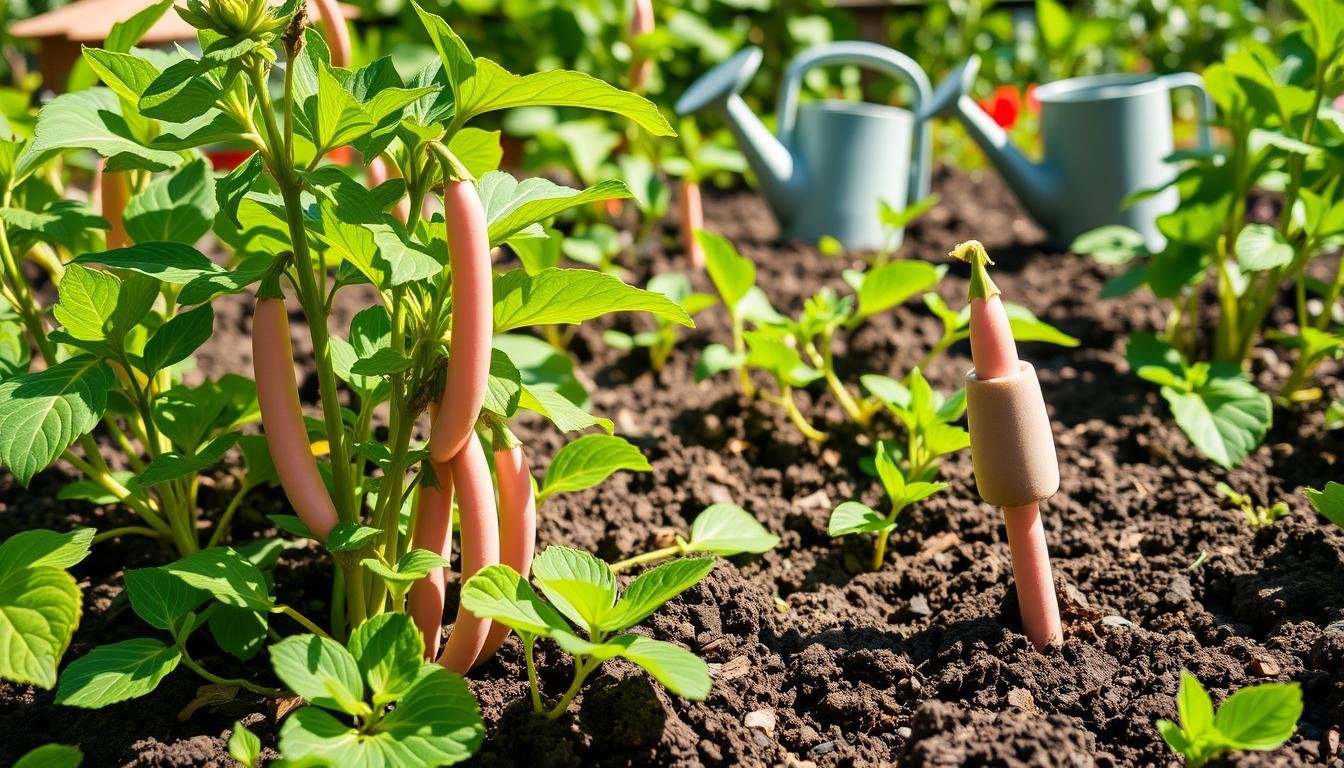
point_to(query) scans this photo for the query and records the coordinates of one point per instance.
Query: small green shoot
(722, 529)
(1329, 502)
(1257, 515)
(1257, 718)
(663, 341)
(434, 719)
(581, 591)
(855, 517)
(244, 746)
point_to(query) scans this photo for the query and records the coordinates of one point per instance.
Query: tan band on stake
(1012, 447)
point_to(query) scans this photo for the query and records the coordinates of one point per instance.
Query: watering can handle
(1195, 83)
(880, 58)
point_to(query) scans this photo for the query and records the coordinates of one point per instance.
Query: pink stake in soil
(1012, 447)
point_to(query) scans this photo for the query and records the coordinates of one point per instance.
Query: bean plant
(1275, 107)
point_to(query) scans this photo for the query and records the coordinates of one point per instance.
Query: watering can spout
(776, 169)
(1036, 185)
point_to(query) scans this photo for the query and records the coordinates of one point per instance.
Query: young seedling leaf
(894, 283)
(1328, 501)
(1260, 717)
(715, 359)
(855, 517)
(52, 756)
(587, 461)
(732, 274)
(651, 589)
(679, 670)
(389, 651)
(117, 672)
(160, 598)
(321, 671)
(579, 585)
(244, 746)
(727, 529)
(1225, 419)
(499, 593)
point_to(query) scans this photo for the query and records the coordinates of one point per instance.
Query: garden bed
(814, 659)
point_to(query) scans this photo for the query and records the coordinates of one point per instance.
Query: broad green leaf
(127, 75)
(894, 283)
(890, 391)
(480, 151)
(177, 208)
(237, 631)
(176, 263)
(231, 188)
(39, 610)
(40, 548)
(571, 296)
(893, 482)
(87, 300)
(176, 339)
(117, 672)
(727, 529)
(587, 461)
(51, 756)
(42, 413)
(383, 362)
(1153, 360)
(1056, 24)
(854, 517)
(733, 275)
(505, 386)
(1225, 419)
(679, 670)
(388, 650)
(1260, 717)
(1261, 247)
(244, 746)
(207, 286)
(351, 537)
(340, 118)
(228, 576)
(1329, 502)
(651, 589)
(492, 88)
(499, 593)
(410, 567)
(92, 119)
(562, 411)
(171, 465)
(125, 34)
(458, 64)
(321, 671)
(160, 598)
(512, 205)
(579, 585)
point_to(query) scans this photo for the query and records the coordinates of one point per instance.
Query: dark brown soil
(920, 664)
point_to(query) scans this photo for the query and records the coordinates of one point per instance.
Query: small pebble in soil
(1264, 666)
(904, 732)
(764, 719)
(824, 748)
(1116, 621)
(919, 606)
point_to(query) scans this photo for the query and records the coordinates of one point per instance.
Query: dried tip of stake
(293, 37)
(973, 253)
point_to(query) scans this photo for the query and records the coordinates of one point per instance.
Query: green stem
(647, 557)
(581, 672)
(796, 416)
(225, 681)
(529, 653)
(880, 550)
(301, 619)
(222, 527)
(126, 530)
(838, 388)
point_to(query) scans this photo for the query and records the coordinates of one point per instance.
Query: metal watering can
(832, 160)
(1105, 137)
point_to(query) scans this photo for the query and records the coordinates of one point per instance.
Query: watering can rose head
(235, 19)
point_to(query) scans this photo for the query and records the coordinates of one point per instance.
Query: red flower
(1004, 106)
(1033, 103)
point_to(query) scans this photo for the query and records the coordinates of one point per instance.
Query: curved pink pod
(480, 547)
(473, 320)
(692, 212)
(282, 418)
(335, 30)
(517, 527)
(432, 530)
(114, 192)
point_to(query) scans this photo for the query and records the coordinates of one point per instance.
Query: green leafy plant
(40, 603)
(721, 529)
(1270, 103)
(1257, 515)
(581, 592)
(244, 746)
(662, 341)
(1329, 501)
(433, 718)
(852, 517)
(1258, 718)
(52, 756)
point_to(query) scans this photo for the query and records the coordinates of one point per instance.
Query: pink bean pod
(517, 526)
(479, 528)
